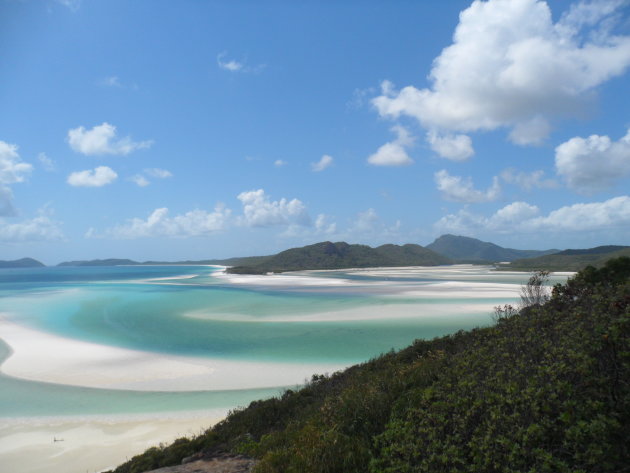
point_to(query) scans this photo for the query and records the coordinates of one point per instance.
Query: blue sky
(190, 130)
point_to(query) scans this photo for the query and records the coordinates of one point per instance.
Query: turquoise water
(196, 314)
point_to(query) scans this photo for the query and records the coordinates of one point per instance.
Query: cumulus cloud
(260, 211)
(394, 153)
(523, 217)
(453, 147)
(12, 170)
(40, 228)
(279, 163)
(594, 163)
(98, 177)
(528, 181)
(101, 139)
(160, 224)
(459, 189)
(511, 66)
(322, 164)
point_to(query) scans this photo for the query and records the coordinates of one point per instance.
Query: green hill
(472, 250)
(543, 390)
(328, 255)
(569, 260)
(21, 263)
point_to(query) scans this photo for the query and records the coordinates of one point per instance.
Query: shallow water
(187, 311)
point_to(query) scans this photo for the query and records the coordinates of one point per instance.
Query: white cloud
(259, 211)
(528, 181)
(279, 163)
(453, 147)
(511, 66)
(323, 226)
(458, 189)
(322, 164)
(158, 173)
(593, 163)
(614, 212)
(233, 65)
(12, 170)
(523, 217)
(140, 180)
(159, 224)
(98, 177)
(101, 139)
(47, 163)
(394, 152)
(39, 228)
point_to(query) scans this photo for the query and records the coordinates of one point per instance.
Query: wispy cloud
(47, 163)
(12, 171)
(232, 65)
(325, 162)
(459, 189)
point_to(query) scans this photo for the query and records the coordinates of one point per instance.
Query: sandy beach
(89, 445)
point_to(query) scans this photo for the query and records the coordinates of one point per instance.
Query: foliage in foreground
(546, 389)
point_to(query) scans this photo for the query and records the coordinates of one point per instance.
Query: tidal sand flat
(135, 355)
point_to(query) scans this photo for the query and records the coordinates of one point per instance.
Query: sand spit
(40, 356)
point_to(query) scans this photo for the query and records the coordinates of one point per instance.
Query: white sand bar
(40, 356)
(89, 445)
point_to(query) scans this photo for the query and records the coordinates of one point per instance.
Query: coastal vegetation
(569, 260)
(545, 389)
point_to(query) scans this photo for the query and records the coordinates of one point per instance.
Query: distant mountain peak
(463, 248)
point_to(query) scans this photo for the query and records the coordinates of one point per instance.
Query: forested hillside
(328, 255)
(569, 260)
(545, 389)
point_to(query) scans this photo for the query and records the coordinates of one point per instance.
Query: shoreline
(40, 356)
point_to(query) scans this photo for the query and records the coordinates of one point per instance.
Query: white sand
(41, 356)
(89, 445)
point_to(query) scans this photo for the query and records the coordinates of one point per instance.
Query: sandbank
(41, 356)
(90, 444)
